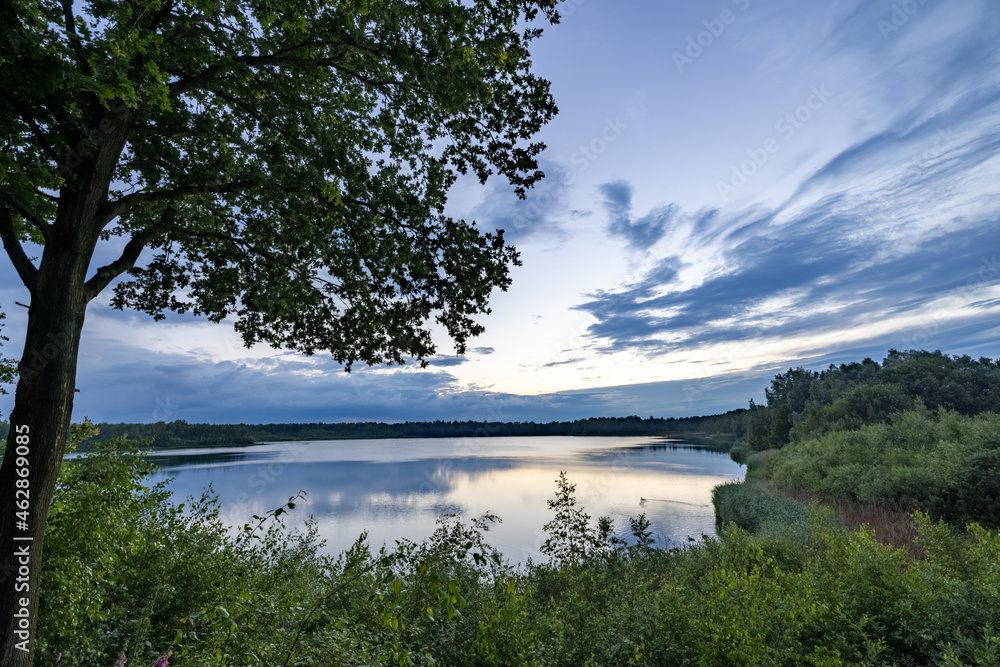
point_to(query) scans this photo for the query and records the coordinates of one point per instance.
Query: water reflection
(397, 488)
(168, 462)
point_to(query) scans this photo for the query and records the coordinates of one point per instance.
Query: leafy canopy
(287, 161)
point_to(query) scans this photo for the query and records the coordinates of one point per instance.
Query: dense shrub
(858, 406)
(126, 569)
(942, 463)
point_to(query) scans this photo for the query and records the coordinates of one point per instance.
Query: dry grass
(893, 527)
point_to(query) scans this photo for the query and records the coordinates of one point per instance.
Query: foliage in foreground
(127, 570)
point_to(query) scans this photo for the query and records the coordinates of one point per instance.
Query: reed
(892, 526)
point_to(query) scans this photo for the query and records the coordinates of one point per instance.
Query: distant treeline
(800, 404)
(716, 430)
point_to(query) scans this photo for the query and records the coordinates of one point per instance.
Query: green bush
(859, 406)
(754, 508)
(739, 453)
(127, 570)
(804, 404)
(942, 463)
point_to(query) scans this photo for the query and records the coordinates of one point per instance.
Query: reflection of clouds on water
(348, 493)
(350, 479)
(354, 489)
(447, 508)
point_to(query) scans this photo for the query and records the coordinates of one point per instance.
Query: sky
(733, 188)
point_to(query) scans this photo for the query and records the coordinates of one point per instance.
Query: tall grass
(753, 507)
(890, 526)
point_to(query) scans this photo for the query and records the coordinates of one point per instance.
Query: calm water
(398, 488)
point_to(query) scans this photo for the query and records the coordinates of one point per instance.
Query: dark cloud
(444, 360)
(552, 364)
(641, 233)
(136, 385)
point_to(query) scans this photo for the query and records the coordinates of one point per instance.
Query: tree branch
(128, 258)
(389, 217)
(245, 245)
(27, 214)
(29, 120)
(208, 75)
(195, 82)
(152, 129)
(263, 120)
(318, 42)
(25, 269)
(122, 205)
(160, 16)
(70, 26)
(68, 17)
(335, 63)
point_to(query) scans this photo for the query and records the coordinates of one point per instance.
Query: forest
(794, 576)
(180, 434)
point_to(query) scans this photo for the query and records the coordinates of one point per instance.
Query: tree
(282, 164)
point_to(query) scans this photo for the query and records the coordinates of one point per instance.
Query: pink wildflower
(162, 662)
(120, 662)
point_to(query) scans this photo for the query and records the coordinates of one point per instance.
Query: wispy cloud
(536, 216)
(884, 228)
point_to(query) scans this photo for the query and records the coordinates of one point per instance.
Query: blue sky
(734, 187)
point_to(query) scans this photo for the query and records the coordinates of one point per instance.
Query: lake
(398, 488)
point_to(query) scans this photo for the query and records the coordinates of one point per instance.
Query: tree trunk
(39, 425)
